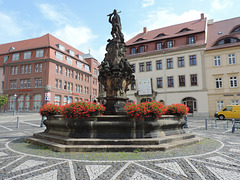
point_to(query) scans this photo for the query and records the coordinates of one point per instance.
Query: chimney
(202, 16)
(145, 30)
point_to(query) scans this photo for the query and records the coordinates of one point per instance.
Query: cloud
(9, 26)
(51, 13)
(221, 4)
(165, 17)
(147, 3)
(75, 36)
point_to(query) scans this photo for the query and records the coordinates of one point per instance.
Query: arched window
(236, 30)
(226, 41)
(27, 102)
(37, 100)
(11, 103)
(57, 100)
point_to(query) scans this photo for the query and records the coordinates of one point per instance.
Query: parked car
(229, 112)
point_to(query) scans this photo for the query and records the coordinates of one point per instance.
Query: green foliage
(3, 99)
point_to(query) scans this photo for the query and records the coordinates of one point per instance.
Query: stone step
(93, 141)
(112, 148)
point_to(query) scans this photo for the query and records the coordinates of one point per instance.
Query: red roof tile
(221, 29)
(173, 31)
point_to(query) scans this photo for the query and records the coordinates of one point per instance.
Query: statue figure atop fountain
(115, 72)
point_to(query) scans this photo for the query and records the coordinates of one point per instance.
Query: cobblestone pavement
(221, 162)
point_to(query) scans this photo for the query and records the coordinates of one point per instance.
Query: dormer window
(226, 41)
(184, 30)
(133, 50)
(61, 47)
(169, 44)
(79, 64)
(79, 57)
(69, 60)
(71, 52)
(191, 40)
(159, 46)
(140, 39)
(236, 30)
(160, 35)
(141, 49)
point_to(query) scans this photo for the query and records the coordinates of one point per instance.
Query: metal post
(17, 122)
(14, 107)
(186, 119)
(41, 125)
(206, 123)
(233, 125)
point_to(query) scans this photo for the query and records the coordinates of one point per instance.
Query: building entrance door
(191, 103)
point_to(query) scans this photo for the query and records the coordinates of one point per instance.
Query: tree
(3, 100)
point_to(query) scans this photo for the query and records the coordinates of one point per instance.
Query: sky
(84, 24)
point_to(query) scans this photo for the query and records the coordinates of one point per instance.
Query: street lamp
(14, 107)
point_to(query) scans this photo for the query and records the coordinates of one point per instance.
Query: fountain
(115, 130)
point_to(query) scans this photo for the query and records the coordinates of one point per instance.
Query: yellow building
(222, 62)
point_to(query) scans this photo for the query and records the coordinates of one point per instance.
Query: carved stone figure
(115, 72)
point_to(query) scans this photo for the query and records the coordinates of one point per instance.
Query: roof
(40, 42)
(86, 56)
(168, 32)
(220, 30)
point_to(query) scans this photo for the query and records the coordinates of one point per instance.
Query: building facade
(222, 58)
(47, 70)
(171, 61)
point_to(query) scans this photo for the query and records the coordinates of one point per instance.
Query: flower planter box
(114, 127)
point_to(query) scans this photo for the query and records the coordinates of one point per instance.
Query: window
(191, 40)
(71, 52)
(76, 75)
(56, 83)
(39, 53)
(193, 78)
(69, 60)
(36, 67)
(86, 67)
(75, 87)
(79, 64)
(193, 60)
(21, 83)
(231, 59)
(65, 71)
(71, 88)
(20, 100)
(81, 77)
(159, 64)
(59, 55)
(57, 69)
(65, 100)
(218, 83)
(6, 58)
(133, 50)
(22, 69)
(13, 84)
(226, 41)
(81, 89)
(149, 66)
(26, 69)
(65, 85)
(170, 81)
(15, 56)
(141, 67)
(133, 85)
(29, 68)
(29, 82)
(71, 73)
(159, 83)
(181, 80)
(57, 100)
(13, 70)
(217, 61)
(180, 61)
(95, 71)
(79, 56)
(169, 44)
(27, 55)
(141, 49)
(40, 67)
(61, 47)
(235, 102)
(59, 84)
(27, 102)
(233, 81)
(220, 105)
(169, 63)
(68, 86)
(236, 30)
(38, 82)
(159, 46)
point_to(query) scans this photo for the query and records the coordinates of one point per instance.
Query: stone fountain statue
(115, 72)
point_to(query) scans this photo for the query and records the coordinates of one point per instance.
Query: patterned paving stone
(172, 166)
(139, 176)
(224, 174)
(28, 164)
(49, 175)
(96, 170)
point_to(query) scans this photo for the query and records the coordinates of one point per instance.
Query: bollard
(206, 123)
(186, 119)
(41, 125)
(233, 125)
(17, 122)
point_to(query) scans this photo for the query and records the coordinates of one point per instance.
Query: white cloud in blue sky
(147, 3)
(84, 24)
